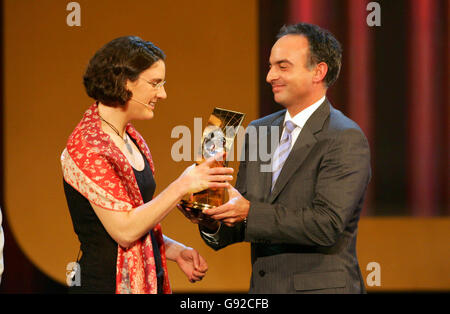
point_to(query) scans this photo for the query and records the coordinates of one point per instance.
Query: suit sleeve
(229, 235)
(343, 175)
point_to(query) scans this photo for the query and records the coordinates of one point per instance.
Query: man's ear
(320, 72)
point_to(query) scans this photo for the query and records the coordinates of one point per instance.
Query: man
(302, 216)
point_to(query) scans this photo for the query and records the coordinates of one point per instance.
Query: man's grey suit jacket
(303, 233)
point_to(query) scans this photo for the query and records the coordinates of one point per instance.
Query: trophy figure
(218, 136)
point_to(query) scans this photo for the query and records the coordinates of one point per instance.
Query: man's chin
(278, 98)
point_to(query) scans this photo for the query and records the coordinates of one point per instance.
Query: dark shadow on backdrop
(19, 275)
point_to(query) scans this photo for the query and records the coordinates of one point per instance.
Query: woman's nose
(162, 93)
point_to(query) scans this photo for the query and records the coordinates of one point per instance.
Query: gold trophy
(218, 136)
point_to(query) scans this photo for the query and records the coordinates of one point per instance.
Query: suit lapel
(302, 147)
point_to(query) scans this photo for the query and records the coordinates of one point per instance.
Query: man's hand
(199, 218)
(233, 211)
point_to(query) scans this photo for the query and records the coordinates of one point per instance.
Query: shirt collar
(300, 118)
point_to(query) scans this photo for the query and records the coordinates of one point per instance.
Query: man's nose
(271, 76)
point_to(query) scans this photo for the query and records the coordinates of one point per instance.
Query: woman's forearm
(148, 215)
(127, 227)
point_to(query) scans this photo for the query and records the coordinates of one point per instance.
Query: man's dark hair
(122, 59)
(323, 47)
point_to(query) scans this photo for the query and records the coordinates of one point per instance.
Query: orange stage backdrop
(212, 60)
(211, 49)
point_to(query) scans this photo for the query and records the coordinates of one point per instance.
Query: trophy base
(196, 205)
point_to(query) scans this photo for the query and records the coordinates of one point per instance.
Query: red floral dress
(96, 168)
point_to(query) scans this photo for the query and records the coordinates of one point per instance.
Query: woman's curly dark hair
(122, 59)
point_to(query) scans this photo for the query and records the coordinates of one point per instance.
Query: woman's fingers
(198, 273)
(217, 157)
(216, 185)
(197, 276)
(220, 178)
(208, 174)
(203, 265)
(220, 170)
(195, 259)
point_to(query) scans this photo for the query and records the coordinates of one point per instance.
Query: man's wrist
(248, 212)
(210, 227)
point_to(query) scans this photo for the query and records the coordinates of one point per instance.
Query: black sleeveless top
(98, 262)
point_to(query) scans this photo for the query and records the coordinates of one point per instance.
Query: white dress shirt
(301, 118)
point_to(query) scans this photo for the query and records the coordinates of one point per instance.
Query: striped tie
(282, 151)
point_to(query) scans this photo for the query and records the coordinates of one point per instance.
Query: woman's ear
(130, 85)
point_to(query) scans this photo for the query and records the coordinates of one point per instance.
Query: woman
(108, 177)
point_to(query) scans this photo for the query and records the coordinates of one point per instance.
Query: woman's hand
(205, 176)
(192, 264)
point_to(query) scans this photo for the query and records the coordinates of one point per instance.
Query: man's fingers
(232, 192)
(217, 210)
(221, 217)
(186, 211)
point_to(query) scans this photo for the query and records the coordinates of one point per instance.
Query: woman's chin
(146, 115)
